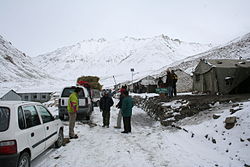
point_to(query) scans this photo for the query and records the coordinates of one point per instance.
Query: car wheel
(87, 117)
(60, 138)
(24, 160)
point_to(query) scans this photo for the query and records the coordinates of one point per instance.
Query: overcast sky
(37, 27)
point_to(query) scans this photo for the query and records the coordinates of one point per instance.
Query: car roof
(75, 87)
(15, 103)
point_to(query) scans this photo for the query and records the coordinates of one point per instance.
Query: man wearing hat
(105, 103)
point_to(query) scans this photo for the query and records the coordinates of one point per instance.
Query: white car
(26, 130)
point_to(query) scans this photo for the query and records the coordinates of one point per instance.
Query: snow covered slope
(15, 65)
(204, 143)
(115, 58)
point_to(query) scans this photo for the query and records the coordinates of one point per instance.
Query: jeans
(72, 121)
(170, 93)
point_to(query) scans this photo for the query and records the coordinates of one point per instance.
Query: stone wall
(161, 110)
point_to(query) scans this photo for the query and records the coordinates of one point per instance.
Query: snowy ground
(152, 145)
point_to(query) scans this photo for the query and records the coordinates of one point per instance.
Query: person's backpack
(175, 77)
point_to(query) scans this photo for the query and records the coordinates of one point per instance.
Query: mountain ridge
(113, 58)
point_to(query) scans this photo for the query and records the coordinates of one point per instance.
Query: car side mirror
(56, 116)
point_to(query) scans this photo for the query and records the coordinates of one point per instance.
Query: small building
(224, 76)
(119, 85)
(10, 95)
(36, 96)
(144, 85)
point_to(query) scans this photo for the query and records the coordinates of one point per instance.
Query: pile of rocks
(162, 110)
(172, 110)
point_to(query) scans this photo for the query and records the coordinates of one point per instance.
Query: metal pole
(132, 83)
(114, 80)
(132, 70)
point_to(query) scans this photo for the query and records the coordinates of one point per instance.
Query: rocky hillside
(15, 65)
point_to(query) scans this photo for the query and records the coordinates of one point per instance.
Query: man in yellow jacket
(73, 106)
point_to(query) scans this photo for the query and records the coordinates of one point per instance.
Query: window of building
(229, 81)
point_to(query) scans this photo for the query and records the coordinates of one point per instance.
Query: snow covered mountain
(106, 59)
(15, 65)
(115, 58)
(235, 49)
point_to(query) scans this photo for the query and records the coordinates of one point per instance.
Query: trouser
(170, 91)
(174, 90)
(127, 124)
(72, 121)
(106, 117)
(119, 118)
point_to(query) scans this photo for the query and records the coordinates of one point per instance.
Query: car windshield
(67, 91)
(5, 118)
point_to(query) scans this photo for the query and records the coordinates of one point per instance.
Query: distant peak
(94, 40)
(165, 36)
(131, 38)
(101, 40)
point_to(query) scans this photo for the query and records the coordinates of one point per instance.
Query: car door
(50, 125)
(34, 130)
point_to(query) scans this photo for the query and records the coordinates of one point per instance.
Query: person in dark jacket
(127, 105)
(169, 83)
(175, 78)
(160, 83)
(105, 103)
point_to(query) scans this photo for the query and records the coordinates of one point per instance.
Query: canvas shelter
(224, 76)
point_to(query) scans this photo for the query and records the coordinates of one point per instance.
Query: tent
(224, 76)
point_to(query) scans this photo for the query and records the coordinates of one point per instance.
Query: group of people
(170, 83)
(124, 105)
